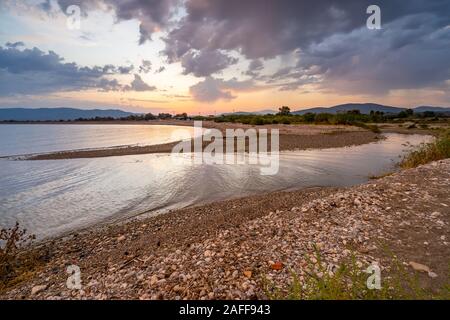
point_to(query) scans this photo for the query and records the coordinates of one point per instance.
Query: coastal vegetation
(349, 281)
(15, 263)
(436, 150)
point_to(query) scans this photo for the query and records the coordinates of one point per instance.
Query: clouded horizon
(204, 56)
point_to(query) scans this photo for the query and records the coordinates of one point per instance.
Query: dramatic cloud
(139, 85)
(411, 52)
(153, 15)
(212, 89)
(333, 49)
(264, 28)
(206, 63)
(32, 71)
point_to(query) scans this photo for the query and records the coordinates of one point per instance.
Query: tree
(284, 111)
(164, 116)
(406, 113)
(149, 116)
(181, 116)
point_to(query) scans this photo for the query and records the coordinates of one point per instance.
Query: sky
(206, 57)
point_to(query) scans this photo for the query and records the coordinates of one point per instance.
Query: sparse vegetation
(349, 282)
(14, 263)
(437, 150)
(379, 176)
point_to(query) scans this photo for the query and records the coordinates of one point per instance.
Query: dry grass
(437, 150)
(16, 263)
(348, 281)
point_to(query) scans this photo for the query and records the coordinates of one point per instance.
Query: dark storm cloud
(333, 47)
(333, 42)
(205, 63)
(266, 28)
(408, 53)
(32, 71)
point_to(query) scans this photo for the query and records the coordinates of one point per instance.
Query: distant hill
(367, 107)
(434, 109)
(55, 114)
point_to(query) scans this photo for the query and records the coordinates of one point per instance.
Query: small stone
(432, 274)
(419, 267)
(121, 238)
(37, 289)
(248, 273)
(277, 266)
(207, 253)
(153, 280)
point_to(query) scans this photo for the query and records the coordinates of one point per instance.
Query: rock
(432, 274)
(121, 238)
(153, 280)
(277, 266)
(419, 267)
(207, 253)
(248, 273)
(37, 289)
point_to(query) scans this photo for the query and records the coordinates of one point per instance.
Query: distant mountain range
(362, 107)
(367, 107)
(55, 114)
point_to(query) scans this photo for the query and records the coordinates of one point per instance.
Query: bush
(370, 127)
(348, 281)
(12, 241)
(436, 150)
(258, 121)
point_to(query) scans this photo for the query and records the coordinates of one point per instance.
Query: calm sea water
(19, 139)
(55, 196)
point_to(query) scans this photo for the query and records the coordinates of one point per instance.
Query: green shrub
(12, 262)
(437, 150)
(348, 281)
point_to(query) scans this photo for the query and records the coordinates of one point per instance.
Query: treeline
(284, 116)
(346, 118)
(133, 117)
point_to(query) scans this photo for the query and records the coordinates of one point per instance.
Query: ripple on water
(51, 197)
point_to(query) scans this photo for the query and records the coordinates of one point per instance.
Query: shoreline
(207, 251)
(292, 137)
